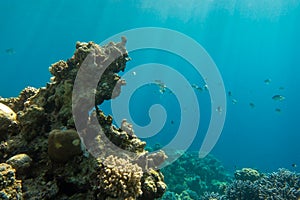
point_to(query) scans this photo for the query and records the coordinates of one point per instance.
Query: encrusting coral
(10, 188)
(39, 138)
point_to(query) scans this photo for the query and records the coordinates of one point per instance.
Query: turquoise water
(250, 42)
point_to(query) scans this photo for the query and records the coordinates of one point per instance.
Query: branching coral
(198, 175)
(277, 186)
(119, 178)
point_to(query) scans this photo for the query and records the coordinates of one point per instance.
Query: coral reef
(247, 174)
(205, 179)
(10, 188)
(20, 162)
(119, 178)
(153, 185)
(279, 185)
(8, 121)
(195, 175)
(63, 145)
(39, 138)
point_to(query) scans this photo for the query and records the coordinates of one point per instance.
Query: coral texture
(197, 175)
(39, 137)
(280, 185)
(247, 174)
(119, 178)
(10, 188)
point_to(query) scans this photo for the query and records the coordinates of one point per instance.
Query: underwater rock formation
(8, 121)
(38, 136)
(63, 145)
(20, 162)
(205, 179)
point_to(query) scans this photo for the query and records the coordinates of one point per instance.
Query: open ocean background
(255, 44)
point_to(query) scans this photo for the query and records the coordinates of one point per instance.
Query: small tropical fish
(252, 105)
(133, 73)
(197, 87)
(267, 81)
(229, 93)
(278, 110)
(219, 109)
(278, 97)
(162, 86)
(294, 165)
(10, 51)
(205, 87)
(281, 88)
(234, 101)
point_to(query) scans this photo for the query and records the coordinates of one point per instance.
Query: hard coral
(277, 186)
(199, 175)
(46, 133)
(247, 174)
(118, 178)
(63, 145)
(10, 188)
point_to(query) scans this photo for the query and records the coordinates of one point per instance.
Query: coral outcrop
(119, 178)
(195, 176)
(39, 136)
(63, 145)
(247, 174)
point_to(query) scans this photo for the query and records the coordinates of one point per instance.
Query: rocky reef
(42, 155)
(249, 184)
(282, 184)
(190, 177)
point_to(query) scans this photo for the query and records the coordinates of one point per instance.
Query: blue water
(249, 41)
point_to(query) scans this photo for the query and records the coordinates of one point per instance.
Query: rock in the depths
(63, 145)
